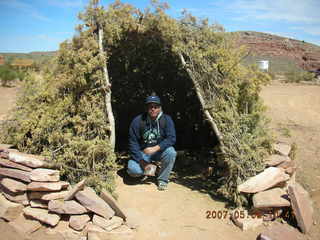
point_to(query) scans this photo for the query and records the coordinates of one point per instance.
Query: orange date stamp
(236, 214)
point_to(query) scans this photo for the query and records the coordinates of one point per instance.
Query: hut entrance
(142, 64)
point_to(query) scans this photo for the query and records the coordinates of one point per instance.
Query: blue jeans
(167, 158)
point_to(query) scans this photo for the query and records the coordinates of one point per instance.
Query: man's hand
(151, 150)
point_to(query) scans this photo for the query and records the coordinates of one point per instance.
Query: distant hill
(284, 54)
(35, 56)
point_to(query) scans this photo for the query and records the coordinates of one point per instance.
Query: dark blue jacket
(136, 144)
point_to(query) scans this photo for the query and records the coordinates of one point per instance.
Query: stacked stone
(275, 190)
(33, 196)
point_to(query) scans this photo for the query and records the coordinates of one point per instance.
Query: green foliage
(299, 76)
(7, 75)
(62, 114)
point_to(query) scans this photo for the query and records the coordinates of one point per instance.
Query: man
(151, 139)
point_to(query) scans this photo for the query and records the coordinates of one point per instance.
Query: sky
(41, 25)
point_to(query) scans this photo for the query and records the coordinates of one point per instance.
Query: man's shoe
(162, 186)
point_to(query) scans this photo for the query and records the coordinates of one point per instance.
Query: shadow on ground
(189, 176)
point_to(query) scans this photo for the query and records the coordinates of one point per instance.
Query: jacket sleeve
(170, 134)
(134, 140)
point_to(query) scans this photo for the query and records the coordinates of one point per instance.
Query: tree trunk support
(107, 94)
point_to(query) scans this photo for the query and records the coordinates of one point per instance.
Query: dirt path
(180, 212)
(8, 96)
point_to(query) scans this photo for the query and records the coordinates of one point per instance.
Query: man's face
(153, 110)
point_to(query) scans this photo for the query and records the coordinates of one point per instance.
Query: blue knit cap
(153, 99)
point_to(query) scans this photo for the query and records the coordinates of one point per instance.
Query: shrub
(298, 76)
(7, 75)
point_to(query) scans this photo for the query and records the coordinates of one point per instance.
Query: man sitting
(151, 139)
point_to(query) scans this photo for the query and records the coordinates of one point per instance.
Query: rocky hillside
(263, 45)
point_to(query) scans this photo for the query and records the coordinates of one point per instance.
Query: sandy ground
(8, 98)
(180, 212)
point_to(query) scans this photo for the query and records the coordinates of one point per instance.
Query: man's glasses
(153, 106)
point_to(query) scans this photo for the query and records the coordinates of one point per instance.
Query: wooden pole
(107, 93)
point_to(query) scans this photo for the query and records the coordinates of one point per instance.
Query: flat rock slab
(9, 210)
(90, 200)
(121, 233)
(113, 204)
(276, 159)
(246, 222)
(4, 147)
(42, 215)
(39, 204)
(78, 187)
(45, 175)
(10, 164)
(66, 207)
(29, 160)
(278, 231)
(288, 166)
(282, 148)
(20, 197)
(268, 178)
(45, 186)
(63, 228)
(47, 196)
(90, 227)
(275, 197)
(25, 225)
(13, 185)
(78, 222)
(107, 224)
(302, 206)
(15, 173)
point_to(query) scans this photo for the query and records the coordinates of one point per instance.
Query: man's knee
(134, 169)
(169, 154)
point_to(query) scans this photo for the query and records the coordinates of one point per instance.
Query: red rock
(20, 197)
(276, 159)
(289, 167)
(29, 160)
(245, 221)
(42, 215)
(282, 148)
(10, 164)
(302, 206)
(107, 224)
(45, 175)
(78, 222)
(47, 195)
(278, 231)
(78, 187)
(25, 225)
(9, 210)
(113, 204)
(268, 178)
(39, 204)
(90, 200)
(45, 186)
(4, 147)
(275, 197)
(66, 207)
(13, 185)
(15, 173)
(63, 229)
(90, 227)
